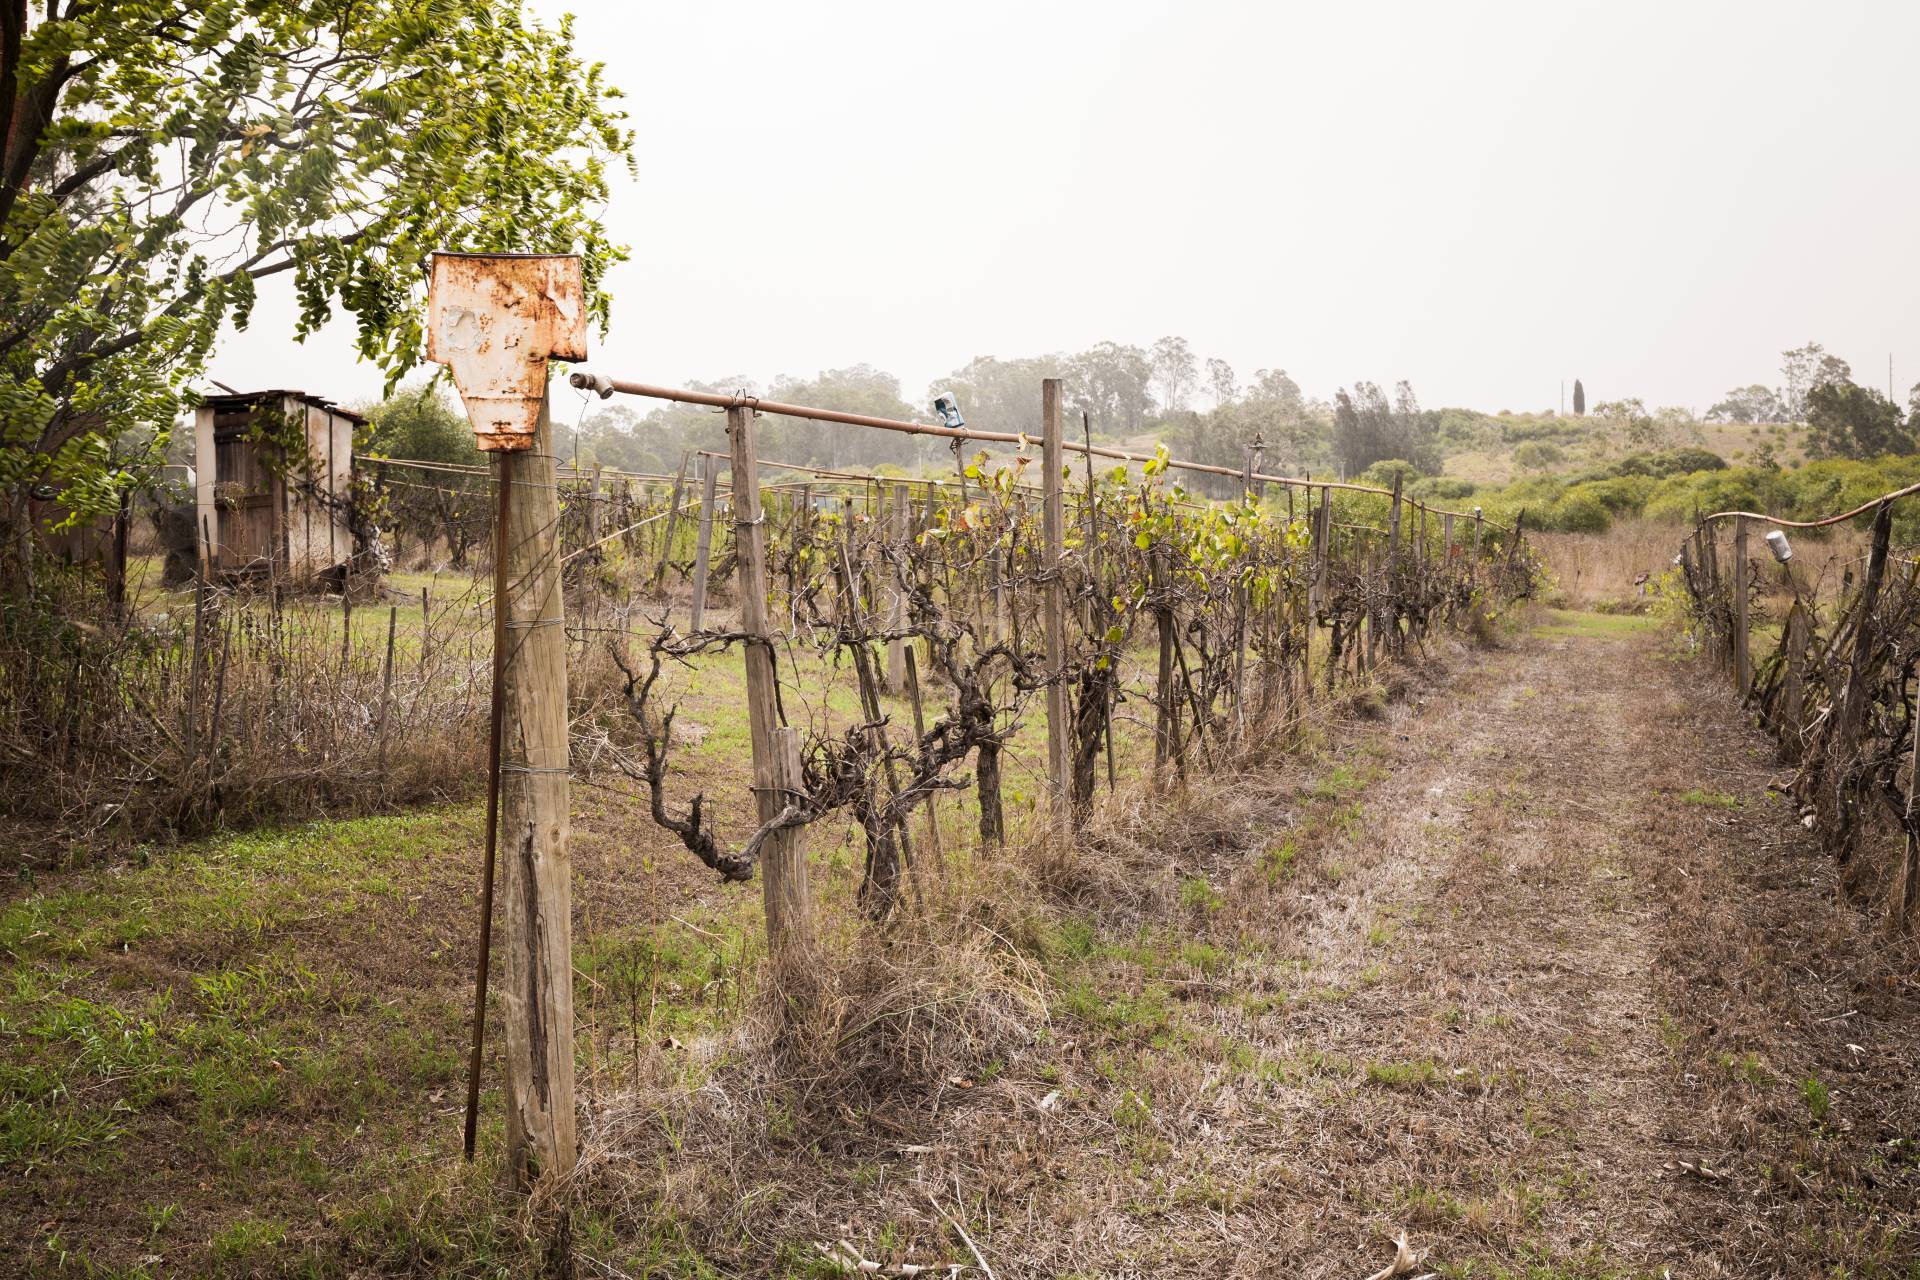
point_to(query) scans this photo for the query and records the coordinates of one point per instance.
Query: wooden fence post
(1855, 694)
(898, 519)
(1742, 659)
(703, 549)
(776, 750)
(386, 693)
(1163, 692)
(1904, 894)
(1473, 565)
(536, 888)
(1390, 613)
(1054, 603)
(1791, 709)
(673, 518)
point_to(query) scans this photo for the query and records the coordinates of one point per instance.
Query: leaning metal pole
(500, 519)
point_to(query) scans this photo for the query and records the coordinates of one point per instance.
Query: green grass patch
(1569, 623)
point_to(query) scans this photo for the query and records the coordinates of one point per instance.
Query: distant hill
(1488, 456)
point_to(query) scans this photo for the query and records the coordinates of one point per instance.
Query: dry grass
(1603, 571)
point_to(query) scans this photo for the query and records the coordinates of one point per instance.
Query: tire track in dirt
(1497, 1074)
(1514, 1068)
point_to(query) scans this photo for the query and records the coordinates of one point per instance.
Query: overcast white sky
(1485, 198)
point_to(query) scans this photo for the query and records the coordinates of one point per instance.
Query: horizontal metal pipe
(599, 382)
(1822, 523)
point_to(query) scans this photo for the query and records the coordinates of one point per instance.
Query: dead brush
(884, 1028)
(247, 706)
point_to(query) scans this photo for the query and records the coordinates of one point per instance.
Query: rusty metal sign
(495, 319)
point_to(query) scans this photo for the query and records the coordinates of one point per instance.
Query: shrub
(1577, 512)
(1538, 455)
(1442, 489)
(1620, 495)
(1382, 473)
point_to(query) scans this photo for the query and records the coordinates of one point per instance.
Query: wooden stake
(673, 519)
(1163, 693)
(1742, 660)
(536, 996)
(1053, 619)
(1904, 894)
(898, 521)
(386, 696)
(776, 749)
(703, 550)
(919, 732)
(1791, 709)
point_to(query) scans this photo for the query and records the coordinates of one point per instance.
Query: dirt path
(1507, 965)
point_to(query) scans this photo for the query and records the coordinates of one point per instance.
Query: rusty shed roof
(246, 399)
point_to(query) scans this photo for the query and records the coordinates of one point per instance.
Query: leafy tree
(419, 423)
(1845, 420)
(1803, 369)
(1111, 381)
(1224, 386)
(1748, 404)
(1387, 470)
(1367, 429)
(162, 156)
(858, 389)
(1173, 367)
(1636, 426)
(1579, 399)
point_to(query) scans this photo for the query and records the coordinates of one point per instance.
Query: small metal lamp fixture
(948, 411)
(1778, 544)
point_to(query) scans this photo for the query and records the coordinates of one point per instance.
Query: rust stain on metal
(495, 319)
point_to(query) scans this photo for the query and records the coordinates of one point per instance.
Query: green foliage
(1677, 497)
(1620, 495)
(1538, 455)
(420, 423)
(1442, 489)
(1817, 1098)
(167, 155)
(1754, 403)
(1577, 512)
(1368, 429)
(1845, 420)
(1382, 474)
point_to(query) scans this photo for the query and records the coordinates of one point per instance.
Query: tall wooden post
(703, 549)
(1053, 533)
(1742, 660)
(776, 750)
(536, 888)
(530, 309)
